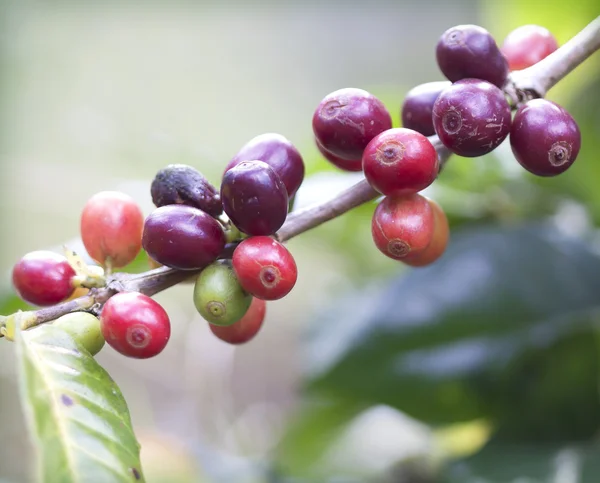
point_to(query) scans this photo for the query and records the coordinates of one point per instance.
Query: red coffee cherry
(264, 268)
(111, 228)
(439, 241)
(244, 329)
(527, 45)
(43, 278)
(135, 325)
(400, 161)
(544, 138)
(403, 225)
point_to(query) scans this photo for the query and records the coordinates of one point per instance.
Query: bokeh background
(481, 368)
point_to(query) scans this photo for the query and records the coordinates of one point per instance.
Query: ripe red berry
(254, 198)
(469, 51)
(183, 237)
(244, 329)
(277, 152)
(544, 138)
(400, 161)
(347, 119)
(527, 45)
(111, 228)
(135, 325)
(417, 108)
(345, 164)
(43, 278)
(403, 225)
(471, 117)
(439, 241)
(264, 268)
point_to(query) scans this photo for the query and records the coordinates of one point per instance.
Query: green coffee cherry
(84, 328)
(218, 295)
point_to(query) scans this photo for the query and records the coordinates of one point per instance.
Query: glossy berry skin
(347, 119)
(135, 325)
(279, 153)
(218, 295)
(84, 328)
(254, 198)
(403, 225)
(417, 108)
(351, 165)
(244, 329)
(469, 51)
(182, 184)
(471, 117)
(439, 241)
(400, 161)
(264, 268)
(43, 278)
(544, 138)
(182, 237)
(111, 228)
(527, 45)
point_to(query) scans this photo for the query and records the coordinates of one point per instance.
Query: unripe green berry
(84, 328)
(219, 297)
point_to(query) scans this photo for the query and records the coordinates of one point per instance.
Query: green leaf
(507, 312)
(75, 411)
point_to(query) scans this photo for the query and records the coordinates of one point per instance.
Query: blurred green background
(481, 368)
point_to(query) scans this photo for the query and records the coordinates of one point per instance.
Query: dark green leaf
(76, 412)
(457, 340)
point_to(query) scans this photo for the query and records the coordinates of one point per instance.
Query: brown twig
(532, 82)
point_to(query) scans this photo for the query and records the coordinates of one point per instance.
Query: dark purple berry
(346, 120)
(471, 117)
(182, 237)
(418, 106)
(352, 165)
(183, 185)
(469, 51)
(544, 138)
(277, 152)
(254, 198)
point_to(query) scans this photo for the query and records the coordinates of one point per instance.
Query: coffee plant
(230, 240)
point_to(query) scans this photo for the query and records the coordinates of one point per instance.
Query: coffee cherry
(84, 328)
(527, 45)
(254, 198)
(345, 164)
(471, 117)
(111, 228)
(264, 268)
(182, 184)
(218, 295)
(182, 237)
(418, 106)
(400, 161)
(544, 138)
(43, 278)
(135, 325)
(244, 329)
(403, 225)
(347, 119)
(469, 51)
(277, 152)
(439, 241)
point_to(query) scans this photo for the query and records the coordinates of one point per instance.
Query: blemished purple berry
(346, 120)
(544, 138)
(279, 153)
(469, 51)
(418, 106)
(254, 198)
(351, 165)
(471, 117)
(182, 237)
